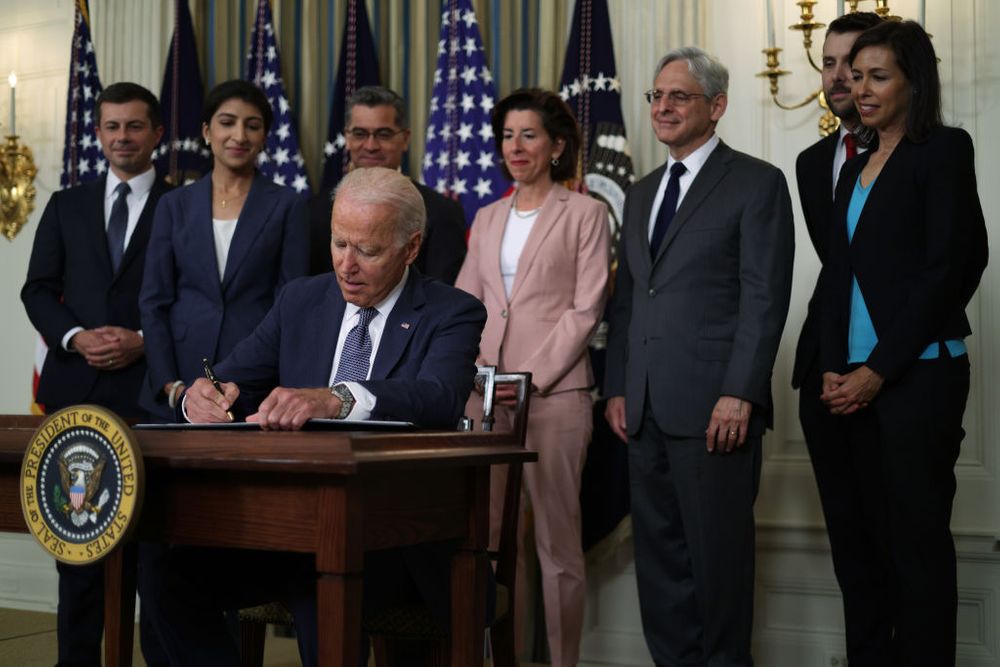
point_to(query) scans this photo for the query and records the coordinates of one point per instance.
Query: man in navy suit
(374, 340)
(377, 132)
(834, 460)
(82, 295)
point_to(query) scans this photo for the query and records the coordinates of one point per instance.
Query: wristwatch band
(341, 391)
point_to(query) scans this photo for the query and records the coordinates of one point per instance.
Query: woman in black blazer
(907, 250)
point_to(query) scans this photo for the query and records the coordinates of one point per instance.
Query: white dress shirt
(364, 400)
(840, 155)
(693, 164)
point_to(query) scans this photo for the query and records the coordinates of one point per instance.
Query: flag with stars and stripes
(591, 88)
(358, 68)
(281, 160)
(459, 159)
(83, 160)
(182, 156)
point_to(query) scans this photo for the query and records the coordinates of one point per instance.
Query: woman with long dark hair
(907, 250)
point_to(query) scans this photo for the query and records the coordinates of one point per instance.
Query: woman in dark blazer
(219, 251)
(907, 250)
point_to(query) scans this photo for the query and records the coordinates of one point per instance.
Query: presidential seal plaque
(81, 483)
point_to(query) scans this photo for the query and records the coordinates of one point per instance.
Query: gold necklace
(223, 201)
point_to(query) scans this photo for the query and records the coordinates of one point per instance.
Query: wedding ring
(732, 432)
(110, 362)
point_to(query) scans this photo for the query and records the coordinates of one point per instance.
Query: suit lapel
(254, 216)
(95, 234)
(643, 209)
(399, 328)
(708, 177)
(327, 328)
(198, 208)
(552, 209)
(495, 227)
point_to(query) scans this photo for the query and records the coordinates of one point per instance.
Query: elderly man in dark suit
(817, 170)
(701, 295)
(377, 132)
(375, 339)
(82, 294)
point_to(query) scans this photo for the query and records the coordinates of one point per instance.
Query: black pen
(215, 383)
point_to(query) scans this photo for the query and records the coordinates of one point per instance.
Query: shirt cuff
(184, 411)
(69, 336)
(364, 403)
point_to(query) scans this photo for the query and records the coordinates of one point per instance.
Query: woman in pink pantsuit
(539, 262)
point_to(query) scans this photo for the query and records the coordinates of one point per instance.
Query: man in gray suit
(701, 295)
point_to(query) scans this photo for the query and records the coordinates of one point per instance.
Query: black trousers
(845, 471)
(903, 449)
(692, 521)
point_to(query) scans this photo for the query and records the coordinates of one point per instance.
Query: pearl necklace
(524, 215)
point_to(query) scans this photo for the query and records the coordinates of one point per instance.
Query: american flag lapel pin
(405, 325)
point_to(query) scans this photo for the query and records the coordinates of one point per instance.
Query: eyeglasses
(383, 134)
(677, 98)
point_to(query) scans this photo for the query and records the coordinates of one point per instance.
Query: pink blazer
(559, 289)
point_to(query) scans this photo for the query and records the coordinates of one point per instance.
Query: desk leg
(119, 606)
(468, 607)
(338, 600)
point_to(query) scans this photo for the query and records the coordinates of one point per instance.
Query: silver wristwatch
(341, 391)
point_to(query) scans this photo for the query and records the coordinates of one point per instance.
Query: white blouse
(515, 234)
(223, 231)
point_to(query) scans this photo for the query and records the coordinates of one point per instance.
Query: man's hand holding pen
(203, 403)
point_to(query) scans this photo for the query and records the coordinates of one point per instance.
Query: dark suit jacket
(705, 317)
(70, 284)
(440, 255)
(187, 314)
(918, 252)
(424, 367)
(814, 173)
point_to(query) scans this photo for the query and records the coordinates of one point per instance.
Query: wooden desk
(335, 494)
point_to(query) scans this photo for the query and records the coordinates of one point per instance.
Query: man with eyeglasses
(701, 294)
(377, 133)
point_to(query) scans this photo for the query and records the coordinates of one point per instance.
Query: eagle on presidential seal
(80, 471)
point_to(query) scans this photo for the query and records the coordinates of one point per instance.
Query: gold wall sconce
(17, 177)
(828, 123)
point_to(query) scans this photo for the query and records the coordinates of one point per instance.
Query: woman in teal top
(907, 251)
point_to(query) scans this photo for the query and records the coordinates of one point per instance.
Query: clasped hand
(848, 393)
(108, 348)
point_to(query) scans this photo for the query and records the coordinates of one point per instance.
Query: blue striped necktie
(356, 356)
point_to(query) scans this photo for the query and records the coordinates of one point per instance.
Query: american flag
(281, 159)
(182, 156)
(459, 160)
(358, 68)
(591, 87)
(83, 160)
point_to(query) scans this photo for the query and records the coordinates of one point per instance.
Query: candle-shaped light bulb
(770, 23)
(12, 80)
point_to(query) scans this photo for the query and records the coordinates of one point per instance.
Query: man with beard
(817, 170)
